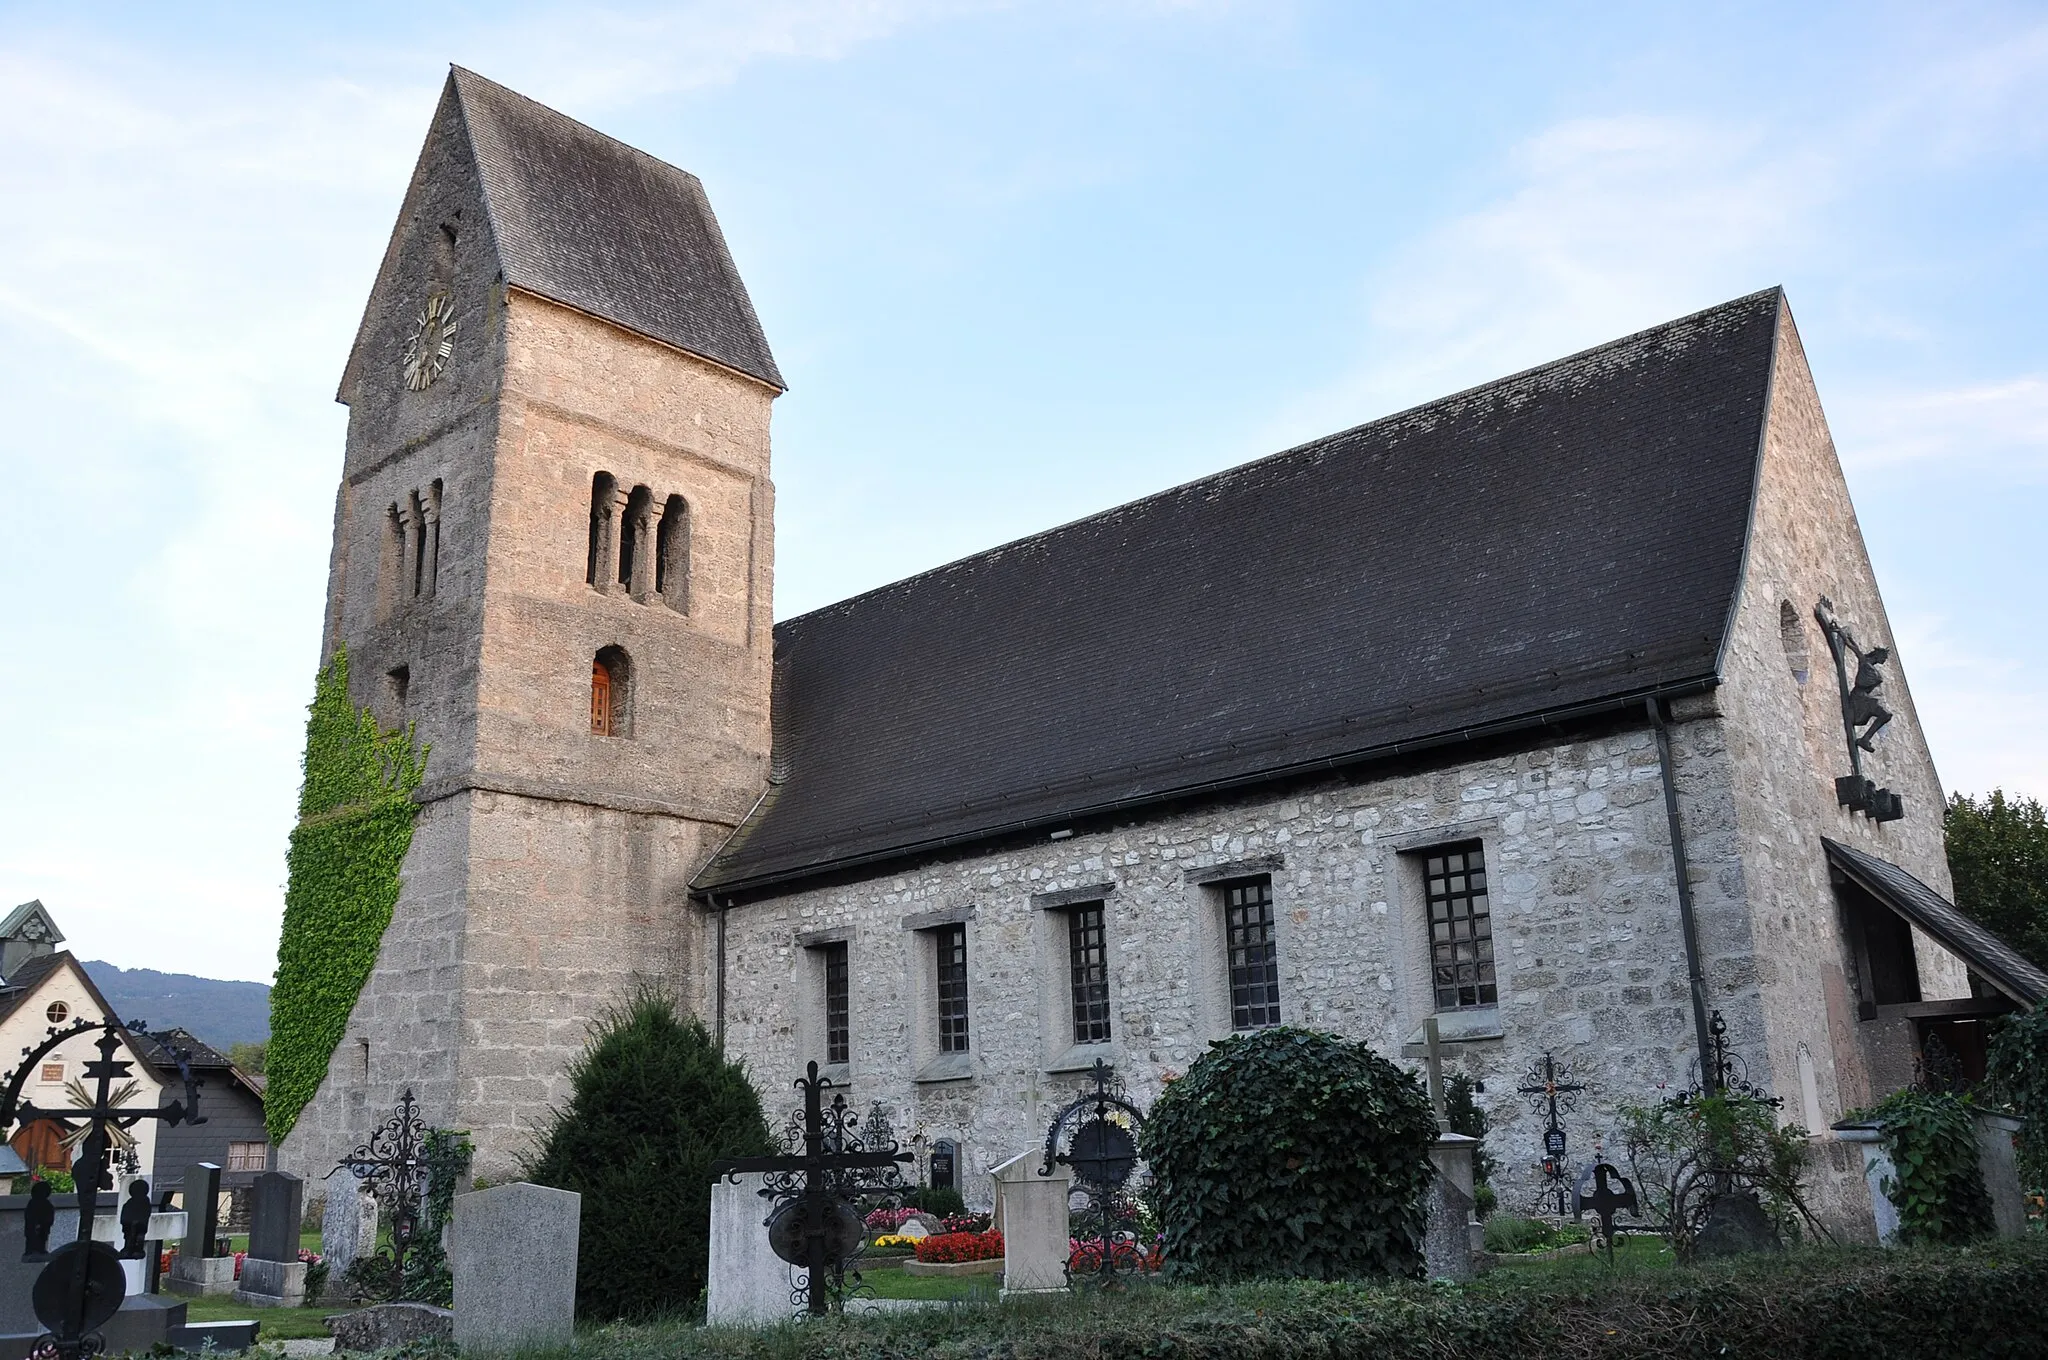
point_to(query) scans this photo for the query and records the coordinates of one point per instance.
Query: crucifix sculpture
(83, 1284)
(1552, 1091)
(814, 1223)
(1863, 715)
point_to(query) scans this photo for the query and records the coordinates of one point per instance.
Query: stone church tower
(553, 548)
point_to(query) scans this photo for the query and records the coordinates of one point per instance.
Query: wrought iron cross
(1102, 1149)
(812, 1191)
(1550, 1090)
(77, 1291)
(393, 1162)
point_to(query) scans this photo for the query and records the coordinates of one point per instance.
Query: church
(1563, 711)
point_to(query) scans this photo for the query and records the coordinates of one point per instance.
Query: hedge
(1809, 1305)
(355, 824)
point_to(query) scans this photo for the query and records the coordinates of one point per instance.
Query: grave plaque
(272, 1273)
(195, 1269)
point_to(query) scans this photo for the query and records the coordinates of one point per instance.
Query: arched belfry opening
(604, 495)
(672, 555)
(636, 543)
(611, 693)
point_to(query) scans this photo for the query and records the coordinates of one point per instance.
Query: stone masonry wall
(1590, 959)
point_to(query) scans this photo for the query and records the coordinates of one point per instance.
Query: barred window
(838, 1034)
(1460, 926)
(950, 944)
(1088, 965)
(1254, 956)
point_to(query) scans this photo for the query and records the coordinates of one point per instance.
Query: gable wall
(1788, 747)
(1591, 963)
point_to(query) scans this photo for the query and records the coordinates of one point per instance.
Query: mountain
(221, 1013)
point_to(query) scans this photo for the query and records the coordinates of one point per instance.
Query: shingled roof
(1568, 538)
(588, 221)
(1989, 956)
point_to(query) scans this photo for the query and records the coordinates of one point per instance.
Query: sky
(1018, 263)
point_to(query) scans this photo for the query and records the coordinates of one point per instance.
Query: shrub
(940, 1201)
(1509, 1233)
(653, 1103)
(1931, 1137)
(1685, 1151)
(954, 1247)
(2019, 1080)
(1289, 1153)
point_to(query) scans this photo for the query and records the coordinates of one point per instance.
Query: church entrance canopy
(1989, 957)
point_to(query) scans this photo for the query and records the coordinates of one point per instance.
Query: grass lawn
(893, 1282)
(1630, 1254)
(279, 1324)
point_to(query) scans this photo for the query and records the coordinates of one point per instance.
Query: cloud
(1966, 698)
(2001, 423)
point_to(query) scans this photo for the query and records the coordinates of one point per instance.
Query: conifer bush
(653, 1103)
(1291, 1154)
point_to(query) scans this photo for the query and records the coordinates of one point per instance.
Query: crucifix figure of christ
(814, 1223)
(83, 1284)
(1550, 1089)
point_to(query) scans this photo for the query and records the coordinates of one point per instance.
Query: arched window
(636, 535)
(432, 551)
(604, 494)
(672, 555)
(611, 694)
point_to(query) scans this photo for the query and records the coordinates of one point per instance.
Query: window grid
(1088, 963)
(838, 1032)
(1254, 954)
(248, 1156)
(950, 944)
(1460, 927)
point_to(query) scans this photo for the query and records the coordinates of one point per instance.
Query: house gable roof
(585, 220)
(28, 980)
(1567, 537)
(1988, 956)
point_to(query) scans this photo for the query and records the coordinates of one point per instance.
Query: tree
(1998, 855)
(250, 1057)
(653, 1103)
(1291, 1154)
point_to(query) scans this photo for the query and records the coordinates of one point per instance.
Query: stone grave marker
(513, 1254)
(749, 1284)
(195, 1269)
(348, 1226)
(1031, 1214)
(273, 1276)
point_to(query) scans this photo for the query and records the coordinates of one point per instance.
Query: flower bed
(1085, 1255)
(954, 1248)
(888, 1220)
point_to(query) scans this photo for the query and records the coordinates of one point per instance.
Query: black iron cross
(393, 1163)
(82, 1286)
(1605, 1200)
(812, 1190)
(1545, 1084)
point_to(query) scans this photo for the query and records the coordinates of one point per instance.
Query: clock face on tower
(432, 341)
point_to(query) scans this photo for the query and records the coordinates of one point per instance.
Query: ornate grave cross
(814, 1223)
(1103, 1152)
(393, 1163)
(1551, 1090)
(1724, 1072)
(1605, 1200)
(83, 1286)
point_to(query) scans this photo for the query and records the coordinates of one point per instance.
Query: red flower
(956, 1247)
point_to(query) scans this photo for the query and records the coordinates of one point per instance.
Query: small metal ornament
(1101, 1147)
(392, 1164)
(75, 1294)
(1552, 1093)
(813, 1222)
(1728, 1073)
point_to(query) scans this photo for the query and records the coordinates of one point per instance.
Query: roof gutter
(1625, 703)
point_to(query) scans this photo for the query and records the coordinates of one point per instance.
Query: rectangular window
(838, 1032)
(1254, 954)
(1460, 926)
(949, 943)
(248, 1156)
(1088, 966)
(53, 1071)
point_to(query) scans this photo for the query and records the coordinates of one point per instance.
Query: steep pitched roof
(1569, 537)
(586, 220)
(1990, 957)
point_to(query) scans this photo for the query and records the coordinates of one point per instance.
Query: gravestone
(1031, 1214)
(273, 1276)
(195, 1269)
(513, 1255)
(348, 1225)
(1447, 1235)
(1736, 1225)
(749, 1284)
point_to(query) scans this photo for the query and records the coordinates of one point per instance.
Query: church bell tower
(553, 550)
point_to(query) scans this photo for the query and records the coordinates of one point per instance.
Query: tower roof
(584, 219)
(1560, 540)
